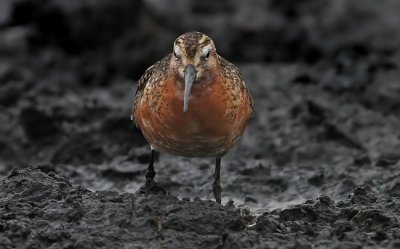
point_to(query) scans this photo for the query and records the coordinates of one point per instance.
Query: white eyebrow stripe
(206, 50)
(177, 50)
(203, 39)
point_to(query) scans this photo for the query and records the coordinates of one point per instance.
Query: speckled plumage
(153, 98)
(151, 78)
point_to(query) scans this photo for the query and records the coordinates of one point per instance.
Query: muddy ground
(318, 166)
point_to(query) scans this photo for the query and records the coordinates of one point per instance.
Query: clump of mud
(41, 209)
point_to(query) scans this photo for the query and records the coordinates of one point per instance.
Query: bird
(192, 103)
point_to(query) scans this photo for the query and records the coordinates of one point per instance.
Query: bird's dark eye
(207, 54)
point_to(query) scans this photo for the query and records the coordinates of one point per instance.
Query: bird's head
(194, 57)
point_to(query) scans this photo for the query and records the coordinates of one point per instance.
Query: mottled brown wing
(150, 76)
(232, 72)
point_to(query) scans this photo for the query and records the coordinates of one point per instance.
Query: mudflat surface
(318, 166)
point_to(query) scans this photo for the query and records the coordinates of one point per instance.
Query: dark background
(324, 76)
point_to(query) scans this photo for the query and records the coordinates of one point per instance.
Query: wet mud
(318, 166)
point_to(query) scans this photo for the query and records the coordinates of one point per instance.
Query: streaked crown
(192, 43)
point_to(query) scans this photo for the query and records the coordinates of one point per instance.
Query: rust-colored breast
(217, 116)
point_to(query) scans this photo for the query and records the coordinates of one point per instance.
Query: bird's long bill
(189, 77)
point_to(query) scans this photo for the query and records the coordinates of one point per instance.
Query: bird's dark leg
(150, 173)
(217, 183)
(151, 187)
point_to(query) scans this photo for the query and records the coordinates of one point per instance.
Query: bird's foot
(151, 187)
